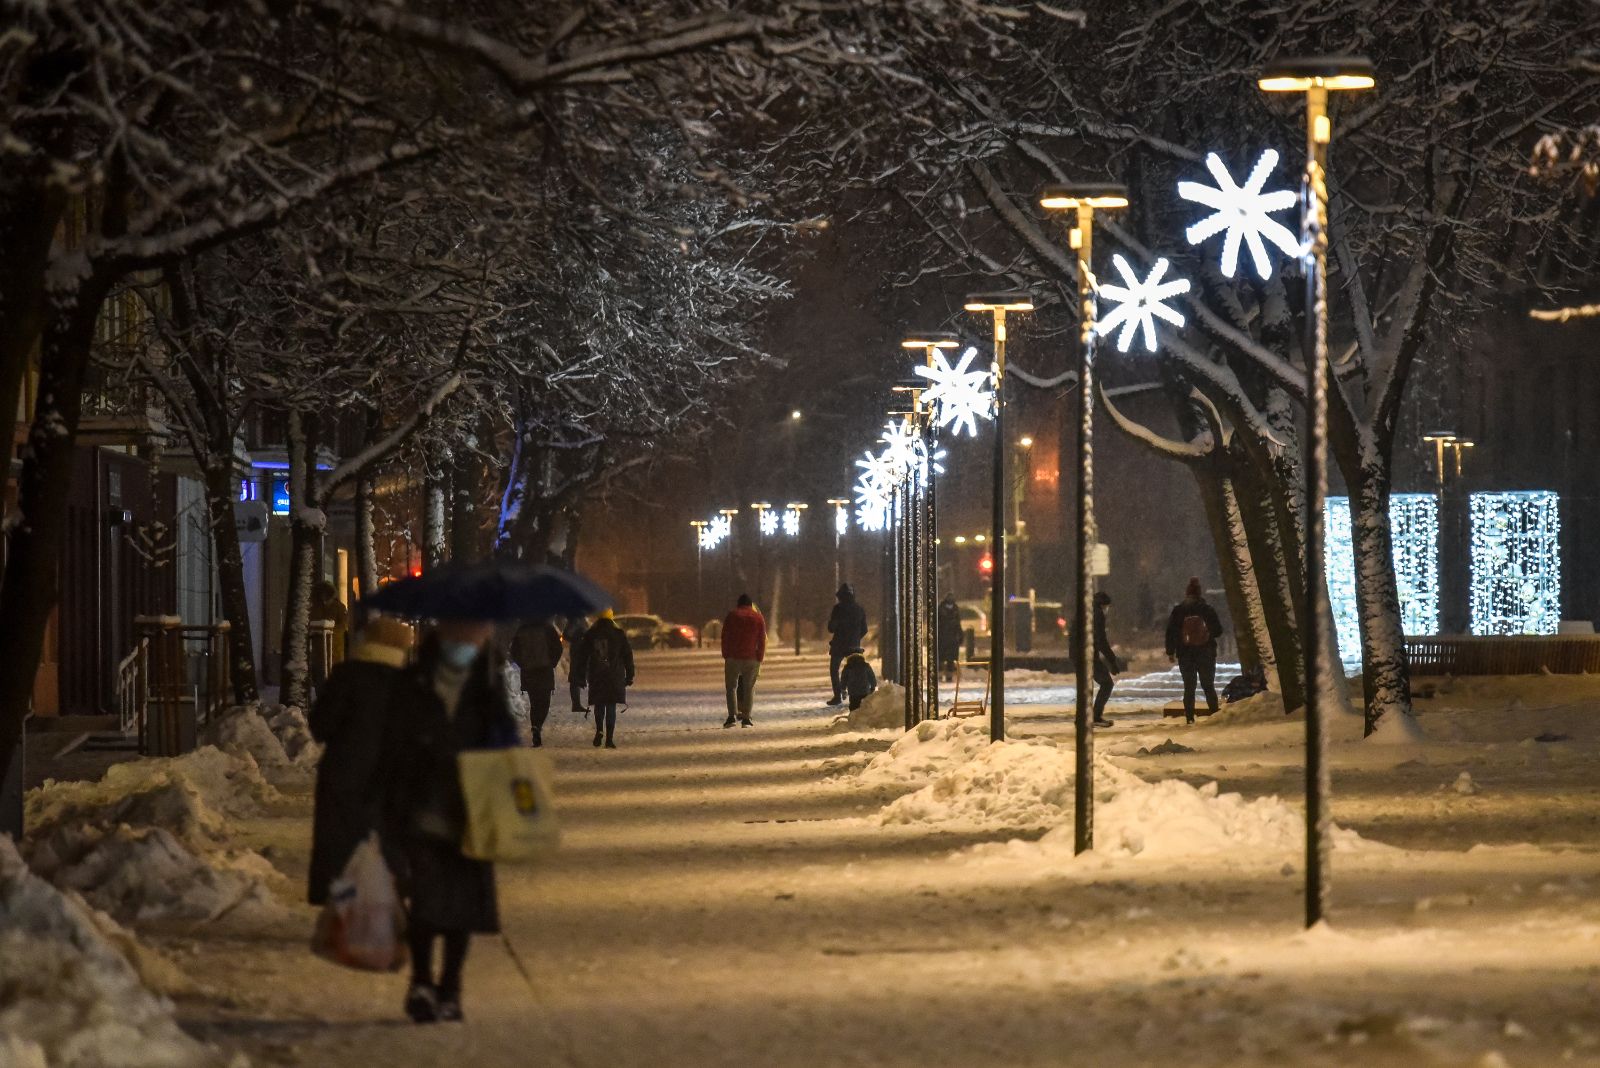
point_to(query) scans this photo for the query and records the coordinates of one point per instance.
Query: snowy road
(722, 899)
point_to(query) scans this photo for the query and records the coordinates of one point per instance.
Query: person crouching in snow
(858, 678)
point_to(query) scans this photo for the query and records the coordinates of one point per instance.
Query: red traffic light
(986, 565)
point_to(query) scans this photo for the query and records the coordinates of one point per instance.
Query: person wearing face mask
(453, 699)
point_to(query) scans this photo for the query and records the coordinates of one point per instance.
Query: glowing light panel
(1139, 303)
(1516, 562)
(1414, 544)
(1243, 213)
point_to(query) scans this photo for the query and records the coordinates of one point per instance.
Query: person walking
(847, 624)
(573, 634)
(536, 650)
(744, 646)
(454, 699)
(350, 720)
(1107, 665)
(1192, 633)
(327, 608)
(947, 622)
(604, 660)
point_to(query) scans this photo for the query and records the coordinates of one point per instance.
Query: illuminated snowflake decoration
(906, 453)
(841, 521)
(960, 396)
(716, 531)
(875, 490)
(1243, 212)
(769, 522)
(1139, 303)
(1516, 563)
(791, 522)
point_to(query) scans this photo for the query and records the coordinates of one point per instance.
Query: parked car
(676, 636)
(974, 619)
(653, 632)
(640, 629)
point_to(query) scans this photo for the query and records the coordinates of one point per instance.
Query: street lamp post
(997, 305)
(1316, 77)
(728, 514)
(930, 342)
(1084, 200)
(699, 526)
(764, 527)
(841, 523)
(792, 515)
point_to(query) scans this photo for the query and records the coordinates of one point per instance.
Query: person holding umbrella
(453, 700)
(604, 660)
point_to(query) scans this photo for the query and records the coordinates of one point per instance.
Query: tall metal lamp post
(929, 343)
(841, 524)
(699, 526)
(727, 514)
(997, 305)
(1084, 200)
(791, 529)
(1316, 78)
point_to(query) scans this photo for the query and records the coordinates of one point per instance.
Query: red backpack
(1195, 633)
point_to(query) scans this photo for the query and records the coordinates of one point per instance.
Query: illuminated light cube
(1516, 562)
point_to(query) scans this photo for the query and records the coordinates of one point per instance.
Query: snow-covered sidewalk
(796, 894)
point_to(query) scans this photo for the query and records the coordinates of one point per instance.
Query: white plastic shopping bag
(363, 923)
(510, 798)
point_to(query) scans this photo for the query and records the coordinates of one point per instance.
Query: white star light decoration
(841, 520)
(791, 522)
(716, 531)
(875, 490)
(1139, 303)
(906, 454)
(769, 522)
(1244, 212)
(960, 396)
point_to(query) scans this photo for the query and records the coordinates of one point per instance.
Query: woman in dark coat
(351, 719)
(453, 700)
(604, 660)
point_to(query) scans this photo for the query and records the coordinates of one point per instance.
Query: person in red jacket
(744, 646)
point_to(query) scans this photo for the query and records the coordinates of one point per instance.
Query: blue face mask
(458, 654)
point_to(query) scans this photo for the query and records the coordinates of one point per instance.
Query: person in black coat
(604, 660)
(1192, 633)
(573, 634)
(454, 699)
(536, 649)
(1107, 665)
(351, 720)
(847, 624)
(948, 628)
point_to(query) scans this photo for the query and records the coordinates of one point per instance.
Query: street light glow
(1299, 74)
(1083, 195)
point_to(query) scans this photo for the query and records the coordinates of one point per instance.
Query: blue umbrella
(492, 591)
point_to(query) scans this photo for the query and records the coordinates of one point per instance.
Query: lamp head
(1446, 436)
(797, 506)
(1025, 441)
(1083, 194)
(1296, 75)
(929, 339)
(1016, 301)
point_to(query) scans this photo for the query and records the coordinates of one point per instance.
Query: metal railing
(1530, 654)
(132, 691)
(175, 679)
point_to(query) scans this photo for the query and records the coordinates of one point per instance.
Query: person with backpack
(536, 650)
(847, 625)
(604, 661)
(1192, 633)
(744, 646)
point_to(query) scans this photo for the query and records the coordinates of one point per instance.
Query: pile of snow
(965, 778)
(69, 993)
(883, 708)
(150, 839)
(278, 737)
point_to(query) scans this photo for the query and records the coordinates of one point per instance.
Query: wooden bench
(1531, 654)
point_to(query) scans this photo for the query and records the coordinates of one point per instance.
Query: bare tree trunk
(30, 590)
(433, 515)
(366, 538)
(1272, 565)
(465, 479)
(220, 496)
(1385, 674)
(306, 523)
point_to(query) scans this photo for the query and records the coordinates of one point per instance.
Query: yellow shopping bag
(511, 815)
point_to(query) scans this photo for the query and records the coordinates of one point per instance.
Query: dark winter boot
(744, 721)
(450, 1010)
(422, 1003)
(538, 738)
(730, 721)
(836, 702)
(611, 743)
(599, 737)
(1103, 722)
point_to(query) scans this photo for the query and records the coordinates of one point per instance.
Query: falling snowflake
(1139, 304)
(1244, 211)
(960, 396)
